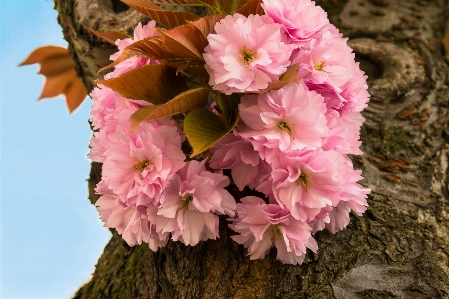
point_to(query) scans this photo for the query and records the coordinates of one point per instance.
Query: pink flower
(300, 18)
(306, 183)
(130, 221)
(190, 201)
(139, 164)
(327, 60)
(247, 168)
(140, 32)
(246, 54)
(292, 118)
(261, 225)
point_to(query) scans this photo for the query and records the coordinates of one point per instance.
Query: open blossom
(139, 164)
(190, 202)
(307, 183)
(328, 60)
(140, 32)
(302, 19)
(262, 226)
(246, 53)
(130, 221)
(288, 119)
(247, 167)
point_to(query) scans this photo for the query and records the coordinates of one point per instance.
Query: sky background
(51, 236)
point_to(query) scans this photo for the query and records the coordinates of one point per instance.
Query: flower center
(184, 202)
(305, 180)
(319, 65)
(276, 232)
(142, 165)
(247, 56)
(285, 126)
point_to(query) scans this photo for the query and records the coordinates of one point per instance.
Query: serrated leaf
(252, 7)
(110, 36)
(206, 25)
(288, 77)
(203, 129)
(60, 76)
(154, 83)
(184, 102)
(184, 41)
(148, 48)
(165, 17)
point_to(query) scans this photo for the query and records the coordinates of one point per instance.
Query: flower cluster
(299, 100)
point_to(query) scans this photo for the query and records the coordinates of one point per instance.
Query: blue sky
(51, 236)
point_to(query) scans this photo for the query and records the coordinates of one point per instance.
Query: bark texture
(398, 249)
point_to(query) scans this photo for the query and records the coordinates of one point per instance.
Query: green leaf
(140, 115)
(288, 77)
(148, 48)
(184, 41)
(203, 129)
(184, 102)
(228, 106)
(252, 7)
(154, 83)
(168, 18)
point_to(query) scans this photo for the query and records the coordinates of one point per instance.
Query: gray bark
(398, 249)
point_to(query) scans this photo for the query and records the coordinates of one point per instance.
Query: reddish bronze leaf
(231, 6)
(154, 83)
(110, 36)
(205, 26)
(168, 18)
(184, 41)
(184, 102)
(60, 76)
(197, 72)
(252, 7)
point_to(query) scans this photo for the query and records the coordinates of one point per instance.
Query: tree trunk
(398, 249)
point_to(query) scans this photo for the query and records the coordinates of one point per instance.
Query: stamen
(305, 180)
(184, 202)
(319, 65)
(247, 56)
(142, 165)
(285, 126)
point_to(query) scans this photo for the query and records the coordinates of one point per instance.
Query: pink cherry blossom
(246, 53)
(130, 221)
(247, 167)
(262, 226)
(190, 202)
(306, 183)
(139, 164)
(328, 60)
(302, 19)
(292, 118)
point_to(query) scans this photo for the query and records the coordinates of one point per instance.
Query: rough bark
(398, 249)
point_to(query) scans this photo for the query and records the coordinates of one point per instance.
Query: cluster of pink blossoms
(291, 144)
